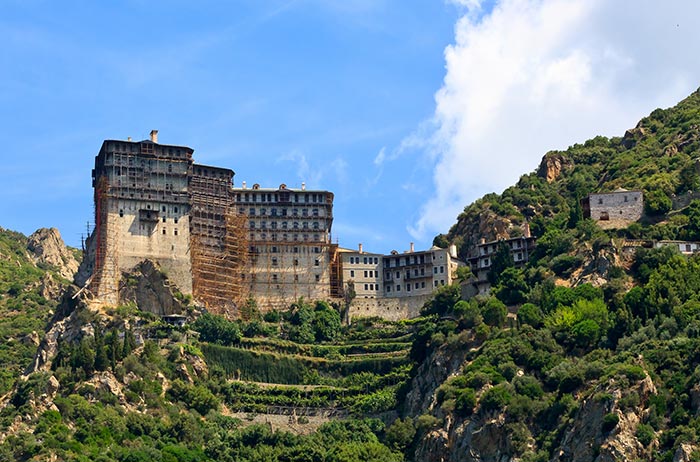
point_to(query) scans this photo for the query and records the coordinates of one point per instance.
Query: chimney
(359, 247)
(303, 186)
(412, 248)
(154, 136)
(526, 231)
(128, 138)
(243, 185)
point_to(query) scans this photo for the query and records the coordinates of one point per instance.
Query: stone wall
(166, 242)
(389, 308)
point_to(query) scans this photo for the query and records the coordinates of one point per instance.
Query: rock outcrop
(148, 287)
(553, 164)
(46, 246)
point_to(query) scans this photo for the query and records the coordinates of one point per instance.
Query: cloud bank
(530, 76)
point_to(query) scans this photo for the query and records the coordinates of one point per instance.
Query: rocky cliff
(47, 247)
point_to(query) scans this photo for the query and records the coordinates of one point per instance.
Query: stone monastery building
(224, 245)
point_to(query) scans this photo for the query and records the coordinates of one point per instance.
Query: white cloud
(535, 75)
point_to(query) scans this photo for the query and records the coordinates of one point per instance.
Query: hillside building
(614, 209)
(397, 285)
(290, 249)
(521, 248)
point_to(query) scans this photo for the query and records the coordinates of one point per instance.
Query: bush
(465, 401)
(645, 434)
(496, 398)
(610, 421)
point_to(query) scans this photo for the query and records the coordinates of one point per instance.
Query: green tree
(500, 261)
(531, 314)
(511, 288)
(400, 433)
(494, 312)
(326, 322)
(444, 298)
(101, 358)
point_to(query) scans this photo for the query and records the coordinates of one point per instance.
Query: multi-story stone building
(142, 209)
(396, 286)
(290, 249)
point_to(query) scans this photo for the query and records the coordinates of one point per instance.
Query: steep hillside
(591, 351)
(32, 276)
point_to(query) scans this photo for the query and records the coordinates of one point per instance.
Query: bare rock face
(553, 164)
(47, 246)
(150, 289)
(586, 440)
(432, 373)
(632, 137)
(684, 453)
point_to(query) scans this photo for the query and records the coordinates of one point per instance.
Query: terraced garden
(360, 369)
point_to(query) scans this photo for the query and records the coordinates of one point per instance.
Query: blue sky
(407, 110)
(279, 91)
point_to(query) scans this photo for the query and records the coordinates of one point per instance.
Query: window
(274, 249)
(317, 262)
(600, 201)
(318, 277)
(417, 285)
(376, 260)
(163, 219)
(366, 286)
(408, 287)
(175, 231)
(274, 261)
(365, 273)
(442, 269)
(398, 288)
(435, 270)
(314, 212)
(352, 273)
(121, 212)
(273, 225)
(422, 285)
(274, 212)
(175, 220)
(435, 283)
(263, 224)
(263, 211)
(274, 277)
(163, 231)
(163, 208)
(398, 275)
(251, 224)
(296, 262)
(251, 212)
(388, 289)
(364, 260)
